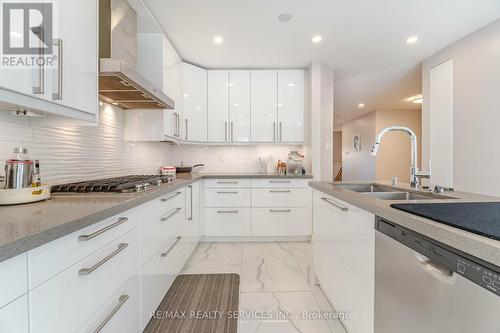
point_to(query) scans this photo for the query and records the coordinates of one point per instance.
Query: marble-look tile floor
(277, 292)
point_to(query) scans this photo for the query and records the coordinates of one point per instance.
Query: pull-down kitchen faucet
(415, 174)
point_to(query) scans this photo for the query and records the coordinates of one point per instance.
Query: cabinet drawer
(52, 258)
(14, 316)
(281, 221)
(280, 182)
(159, 229)
(281, 197)
(13, 278)
(227, 221)
(70, 300)
(157, 275)
(227, 198)
(120, 312)
(164, 203)
(227, 182)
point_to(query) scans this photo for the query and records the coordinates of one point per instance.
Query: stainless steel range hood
(119, 81)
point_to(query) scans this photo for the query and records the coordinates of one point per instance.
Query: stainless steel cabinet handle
(232, 131)
(227, 192)
(280, 210)
(169, 215)
(274, 131)
(121, 300)
(177, 240)
(103, 230)
(227, 211)
(190, 202)
(40, 89)
(280, 181)
(225, 131)
(170, 197)
(335, 204)
(187, 131)
(88, 271)
(280, 191)
(281, 131)
(59, 94)
(227, 182)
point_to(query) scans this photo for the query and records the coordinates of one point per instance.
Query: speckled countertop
(478, 246)
(25, 227)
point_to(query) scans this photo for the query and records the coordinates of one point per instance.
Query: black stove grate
(116, 184)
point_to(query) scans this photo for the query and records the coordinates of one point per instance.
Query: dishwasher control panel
(482, 274)
(479, 274)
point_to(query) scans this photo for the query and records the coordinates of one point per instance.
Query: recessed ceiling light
(101, 103)
(285, 17)
(317, 39)
(291, 84)
(417, 99)
(412, 40)
(361, 105)
(218, 40)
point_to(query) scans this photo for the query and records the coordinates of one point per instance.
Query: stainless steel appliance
(19, 170)
(424, 286)
(120, 82)
(125, 184)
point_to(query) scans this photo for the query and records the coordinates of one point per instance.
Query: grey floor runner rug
(200, 303)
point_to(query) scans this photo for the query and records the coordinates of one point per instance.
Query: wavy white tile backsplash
(79, 153)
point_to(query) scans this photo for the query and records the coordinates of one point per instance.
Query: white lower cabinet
(344, 259)
(14, 316)
(13, 278)
(258, 207)
(281, 221)
(227, 222)
(120, 312)
(72, 299)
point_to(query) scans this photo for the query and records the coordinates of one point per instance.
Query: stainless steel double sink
(390, 193)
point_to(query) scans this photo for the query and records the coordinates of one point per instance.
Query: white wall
(476, 114)
(69, 154)
(359, 165)
(320, 121)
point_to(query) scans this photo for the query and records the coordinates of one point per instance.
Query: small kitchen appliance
(294, 163)
(22, 181)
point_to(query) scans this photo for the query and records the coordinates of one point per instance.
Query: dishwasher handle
(435, 269)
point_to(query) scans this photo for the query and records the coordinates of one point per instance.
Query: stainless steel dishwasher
(424, 286)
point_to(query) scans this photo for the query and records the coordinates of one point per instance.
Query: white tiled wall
(79, 153)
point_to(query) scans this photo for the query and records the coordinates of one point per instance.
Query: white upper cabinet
(229, 106)
(264, 105)
(66, 84)
(194, 103)
(218, 106)
(74, 74)
(239, 105)
(291, 105)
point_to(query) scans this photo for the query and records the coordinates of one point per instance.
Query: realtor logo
(27, 28)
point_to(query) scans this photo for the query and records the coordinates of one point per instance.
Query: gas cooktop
(125, 184)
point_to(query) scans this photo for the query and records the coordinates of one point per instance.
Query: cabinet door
(264, 105)
(27, 80)
(218, 106)
(194, 103)
(239, 106)
(14, 316)
(347, 275)
(291, 105)
(73, 79)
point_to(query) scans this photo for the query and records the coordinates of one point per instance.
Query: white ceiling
(386, 89)
(364, 41)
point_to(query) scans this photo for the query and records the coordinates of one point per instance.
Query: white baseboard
(210, 239)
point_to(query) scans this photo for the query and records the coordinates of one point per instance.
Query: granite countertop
(25, 227)
(481, 247)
